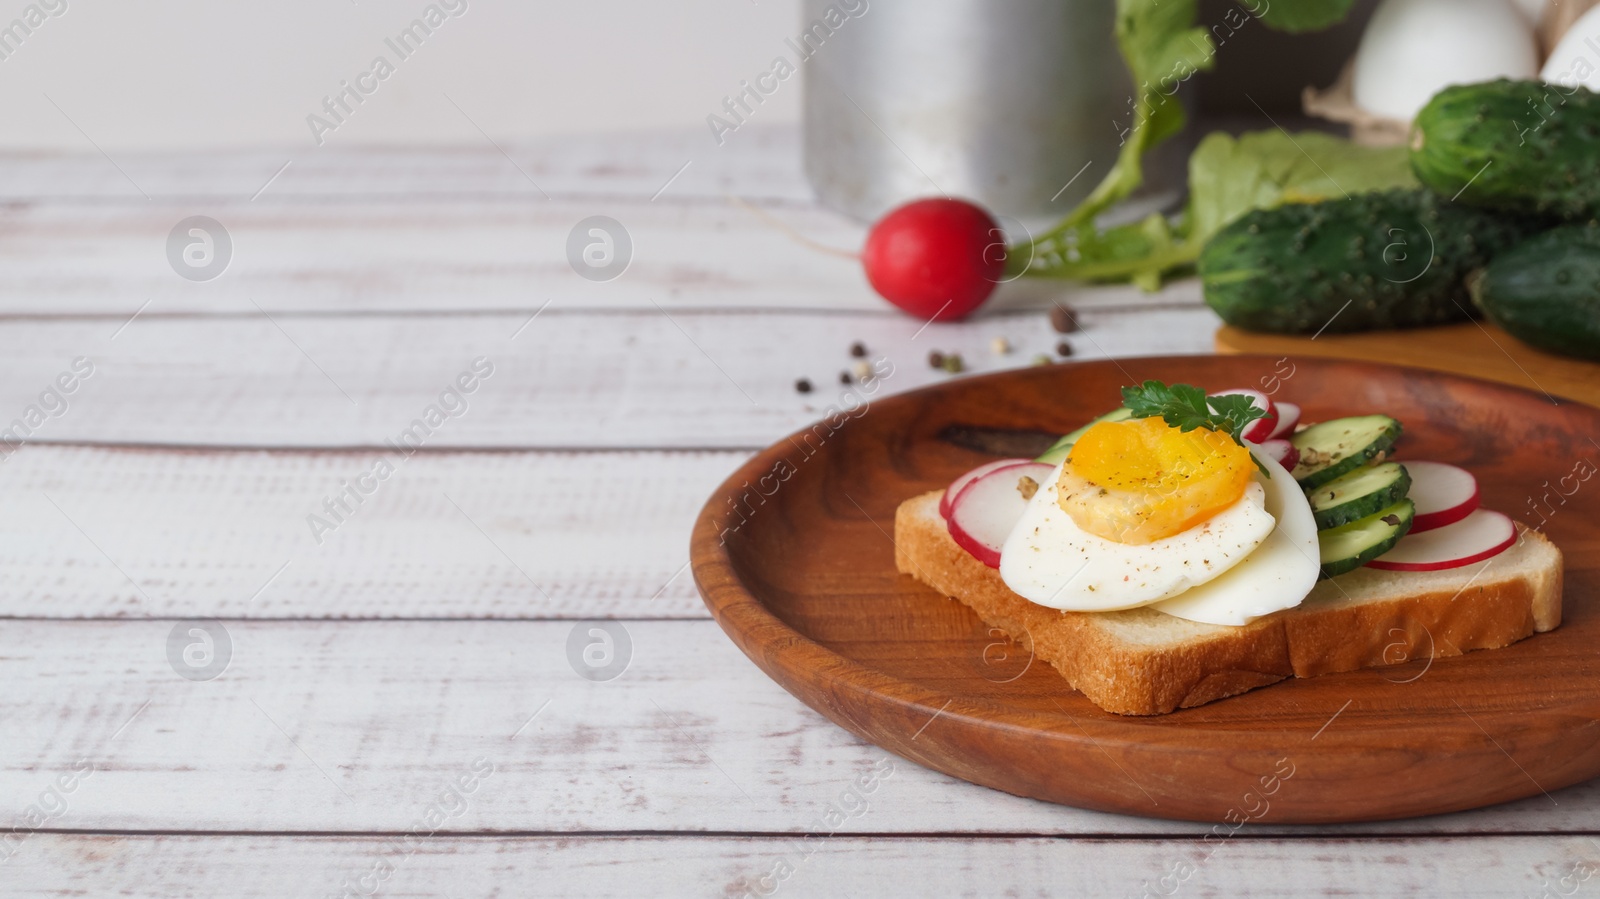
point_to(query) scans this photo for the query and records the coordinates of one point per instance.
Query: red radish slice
(1262, 428)
(1288, 417)
(1282, 451)
(1481, 535)
(956, 486)
(1444, 494)
(987, 509)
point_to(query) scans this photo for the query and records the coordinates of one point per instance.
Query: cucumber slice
(1350, 546)
(1359, 494)
(1062, 447)
(1335, 448)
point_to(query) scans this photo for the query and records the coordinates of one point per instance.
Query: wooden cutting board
(1470, 348)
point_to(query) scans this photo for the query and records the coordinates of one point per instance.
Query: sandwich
(1186, 547)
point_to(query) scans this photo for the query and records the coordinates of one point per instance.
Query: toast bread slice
(1145, 662)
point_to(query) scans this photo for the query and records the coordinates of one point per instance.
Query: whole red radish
(937, 259)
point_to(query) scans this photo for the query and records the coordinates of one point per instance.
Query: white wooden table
(423, 642)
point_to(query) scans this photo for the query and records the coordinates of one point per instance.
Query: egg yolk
(1142, 480)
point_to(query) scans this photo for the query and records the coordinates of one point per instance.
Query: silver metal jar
(1018, 104)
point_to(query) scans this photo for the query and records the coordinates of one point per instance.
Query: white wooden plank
(424, 254)
(763, 163)
(108, 533)
(355, 726)
(147, 867)
(508, 253)
(564, 379)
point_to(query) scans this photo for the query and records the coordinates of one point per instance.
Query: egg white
(1049, 560)
(1276, 575)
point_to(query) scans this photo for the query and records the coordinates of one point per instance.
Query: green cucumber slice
(1062, 447)
(1358, 494)
(1350, 546)
(1335, 448)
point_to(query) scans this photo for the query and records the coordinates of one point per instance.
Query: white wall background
(193, 75)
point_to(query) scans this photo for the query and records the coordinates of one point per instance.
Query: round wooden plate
(794, 557)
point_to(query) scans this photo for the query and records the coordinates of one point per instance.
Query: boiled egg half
(1141, 513)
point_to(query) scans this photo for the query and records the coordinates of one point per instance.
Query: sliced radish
(1483, 534)
(956, 486)
(986, 510)
(1262, 428)
(1288, 417)
(1444, 494)
(1282, 451)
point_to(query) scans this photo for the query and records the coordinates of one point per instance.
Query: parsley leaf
(1231, 412)
(1180, 405)
(1187, 407)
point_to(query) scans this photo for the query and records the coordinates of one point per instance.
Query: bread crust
(1354, 621)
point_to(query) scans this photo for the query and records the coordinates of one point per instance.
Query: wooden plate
(793, 555)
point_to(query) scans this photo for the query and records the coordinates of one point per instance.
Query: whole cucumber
(1517, 146)
(1378, 260)
(1545, 291)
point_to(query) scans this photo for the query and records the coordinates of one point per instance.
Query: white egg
(1575, 61)
(1413, 48)
(1277, 575)
(1049, 560)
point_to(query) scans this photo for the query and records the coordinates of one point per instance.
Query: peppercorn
(1062, 319)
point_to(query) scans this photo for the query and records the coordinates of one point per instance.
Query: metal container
(1018, 104)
